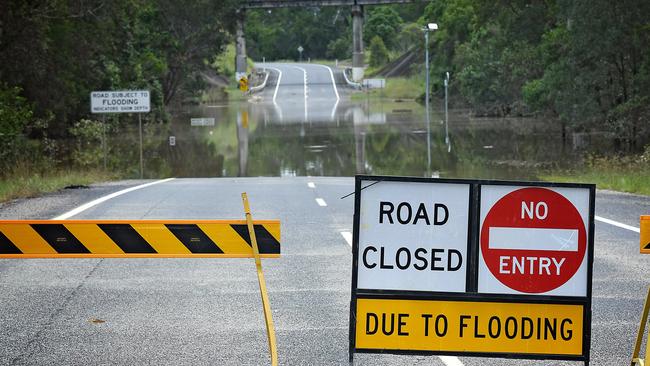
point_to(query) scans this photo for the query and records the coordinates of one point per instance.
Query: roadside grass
(409, 88)
(25, 185)
(619, 173)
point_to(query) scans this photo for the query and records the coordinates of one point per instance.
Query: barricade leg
(260, 278)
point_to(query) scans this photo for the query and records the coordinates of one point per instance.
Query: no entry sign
(472, 267)
(533, 240)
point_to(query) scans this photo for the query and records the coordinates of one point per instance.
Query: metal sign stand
(141, 159)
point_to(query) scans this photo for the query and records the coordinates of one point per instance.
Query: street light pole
(429, 28)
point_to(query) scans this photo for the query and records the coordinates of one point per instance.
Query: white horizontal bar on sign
(519, 238)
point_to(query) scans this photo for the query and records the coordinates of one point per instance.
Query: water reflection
(330, 138)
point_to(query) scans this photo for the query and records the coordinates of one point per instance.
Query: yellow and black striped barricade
(137, 238)
(644, 234)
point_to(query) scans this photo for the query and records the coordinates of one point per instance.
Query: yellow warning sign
(469, 326)
(243, 84)
(151, 238)
(645, 234)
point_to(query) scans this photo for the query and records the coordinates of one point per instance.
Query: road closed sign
(533, 240)
(472, 267)
(413, 236)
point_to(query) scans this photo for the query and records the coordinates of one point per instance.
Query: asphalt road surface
(208, 311)
(302, 92)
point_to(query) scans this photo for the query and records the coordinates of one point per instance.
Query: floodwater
(345, 138)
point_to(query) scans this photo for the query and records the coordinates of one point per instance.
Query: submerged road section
(208, 311)
(302, 92)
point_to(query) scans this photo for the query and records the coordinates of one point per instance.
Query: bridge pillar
(357, 42)
(240, 47)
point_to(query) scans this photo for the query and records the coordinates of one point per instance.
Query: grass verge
(409, 88)
(31, 185)
(626, 174)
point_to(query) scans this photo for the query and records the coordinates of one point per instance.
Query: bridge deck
(297, 3)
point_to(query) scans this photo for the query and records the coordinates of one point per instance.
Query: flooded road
(366, 136)
(306, 122)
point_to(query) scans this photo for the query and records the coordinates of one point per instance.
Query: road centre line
(450, 360)
(311, 185)
(304, 77)
(321, 202)
(618, 224)
(347, 236)
(93, 203)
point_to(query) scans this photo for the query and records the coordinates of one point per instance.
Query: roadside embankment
(35, 184)
(619, 173)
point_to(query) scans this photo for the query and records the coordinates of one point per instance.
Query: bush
(378, 52)
(15, 115)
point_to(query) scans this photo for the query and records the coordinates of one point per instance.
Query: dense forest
(583, 63)
(54, 53)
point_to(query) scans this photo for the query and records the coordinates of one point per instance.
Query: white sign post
(121, 101)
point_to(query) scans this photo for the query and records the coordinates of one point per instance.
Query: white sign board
(124, 101)
(202, 121)
(413, 236)
(172, 140)
(534, 240)
(374, 83)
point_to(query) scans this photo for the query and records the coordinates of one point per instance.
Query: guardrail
(350, 82)
(254, 89)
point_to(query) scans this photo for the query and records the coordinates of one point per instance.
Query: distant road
(205, 311)
(302, 92)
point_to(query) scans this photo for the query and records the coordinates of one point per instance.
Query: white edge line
(90, 204)
(304, 79)
(333, 82)
(619, 224)
(347, 236)
(311, 185)
(277, 86)
(321, 202)
(451, 360)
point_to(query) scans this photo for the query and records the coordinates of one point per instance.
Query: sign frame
(644, 234)
(472, 294)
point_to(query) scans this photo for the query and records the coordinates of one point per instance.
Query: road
(208, 311)
(302, 92)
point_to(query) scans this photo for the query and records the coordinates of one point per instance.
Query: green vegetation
(621, 173)
(54, 53)
(26, 184)
(396, 88)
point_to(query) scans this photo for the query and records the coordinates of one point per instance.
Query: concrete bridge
(357, 26)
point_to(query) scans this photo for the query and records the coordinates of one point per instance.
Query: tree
(378, 52)
(382, 22)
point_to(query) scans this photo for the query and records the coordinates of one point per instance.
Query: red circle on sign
(533, 261)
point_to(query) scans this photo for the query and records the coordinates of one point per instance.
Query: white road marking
(321, 202)
(619, 224)
(347, 236)
(277, 85)
(333, 82)
(311, 185)
(93, 203)
(451, 360)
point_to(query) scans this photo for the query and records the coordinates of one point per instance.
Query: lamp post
(447, 114)
(429, 28)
